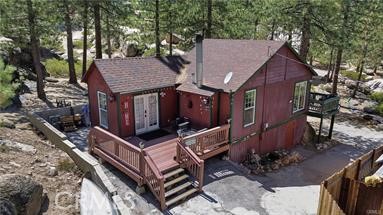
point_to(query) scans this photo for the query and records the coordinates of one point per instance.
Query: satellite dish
(228, 77)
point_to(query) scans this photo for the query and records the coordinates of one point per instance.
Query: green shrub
(379, 109)
(7, 88)
(60, 69)
(78, 44)
(377, 96)
(152, 52)
(352, 75)
(66, 165)
(4, 148)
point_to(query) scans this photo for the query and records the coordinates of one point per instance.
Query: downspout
(231, 116)
(211, 111)
(218, 108)
(118, 100)
(263, 129)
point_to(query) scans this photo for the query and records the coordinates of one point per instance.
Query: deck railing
(113, 148)
(190, 161)
(207, 140)
(155, 180)
(128, 158)
(320, 103)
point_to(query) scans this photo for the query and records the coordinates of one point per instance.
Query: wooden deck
(150, 165)
(163, 154)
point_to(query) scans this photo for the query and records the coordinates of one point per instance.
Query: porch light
(111, 97)
(206, 101)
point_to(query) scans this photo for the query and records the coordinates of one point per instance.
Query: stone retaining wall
(83, 160)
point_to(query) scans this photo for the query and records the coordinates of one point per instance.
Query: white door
(146, 112)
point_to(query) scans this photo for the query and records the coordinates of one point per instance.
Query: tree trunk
(256, 23)
(306, 33)
(336, 71)
(375, 69)
(85, 38)
(209, 18)
(343, 32)
(68, 27)
(109, 43)
(157, 28)
(97, 29)
(35, 46)
(330, 64)
(108, 39)
(170, 30)
(361, 68)
(171, 43)
(290, 37)
(272, 30)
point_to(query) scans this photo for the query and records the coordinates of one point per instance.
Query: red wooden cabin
(263, 106)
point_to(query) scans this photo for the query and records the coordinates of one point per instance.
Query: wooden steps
(174, 172)
(178, 186)
(181, 197)
(176, 180)
(177, 189)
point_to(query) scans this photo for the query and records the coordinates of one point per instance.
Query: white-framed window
(102, 109)
(300, 92)
(249, 107)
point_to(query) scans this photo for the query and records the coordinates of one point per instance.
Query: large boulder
(130, 49)
(375, 85)
(350, 84)
(309, 135)
(21, 194)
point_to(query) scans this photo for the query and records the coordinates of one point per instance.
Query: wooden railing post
(142, 164)
(178, 155)
(201, 175)
(92, 142)
(162, 194)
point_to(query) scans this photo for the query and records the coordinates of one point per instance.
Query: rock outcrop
(20, 194)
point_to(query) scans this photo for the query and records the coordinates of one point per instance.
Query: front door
(146, 112)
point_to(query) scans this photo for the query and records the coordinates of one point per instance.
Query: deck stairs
(179, 185)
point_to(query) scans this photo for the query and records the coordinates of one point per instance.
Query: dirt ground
(37, 157)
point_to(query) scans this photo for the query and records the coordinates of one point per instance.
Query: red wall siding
(168, 106)
(214, 103)
(238, 130)
(224, 108)
(97, 83)
(239, 151)
(273, 105)
(199, 114)
(127, 112)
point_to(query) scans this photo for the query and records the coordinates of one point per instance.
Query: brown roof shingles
(221, 56)
(137, 74)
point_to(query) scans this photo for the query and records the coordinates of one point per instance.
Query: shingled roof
(221, 56)
(125, 75)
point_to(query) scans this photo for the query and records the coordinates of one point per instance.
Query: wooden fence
(345, 193)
